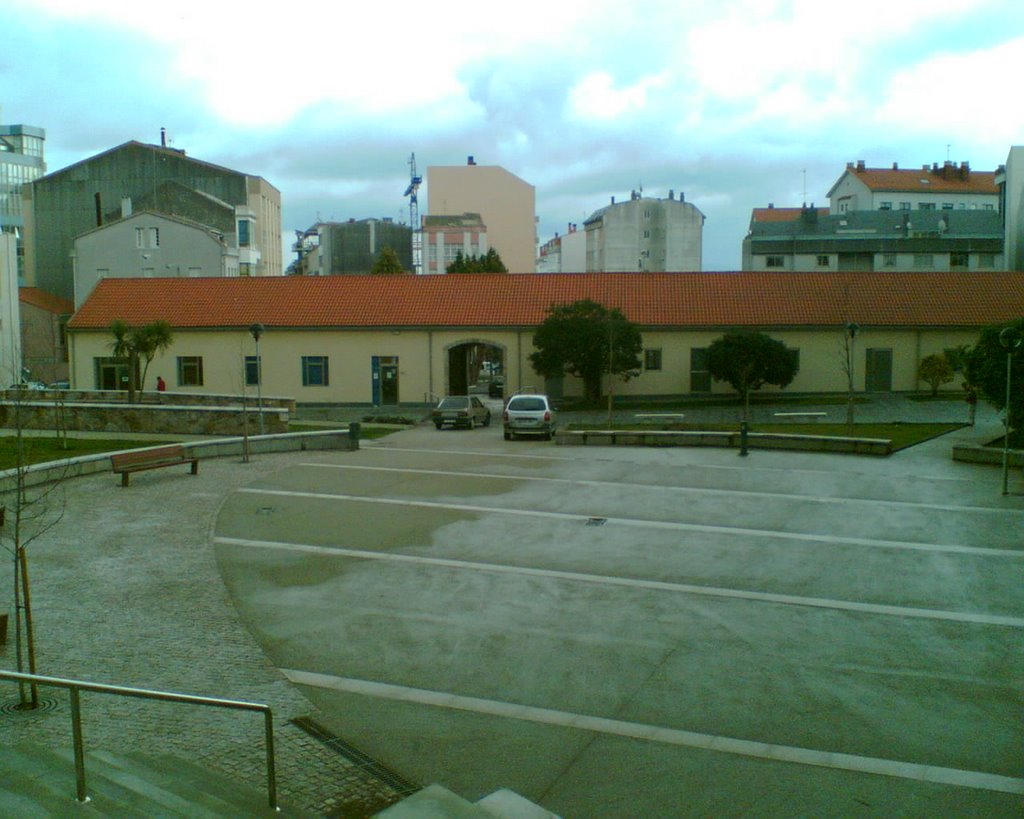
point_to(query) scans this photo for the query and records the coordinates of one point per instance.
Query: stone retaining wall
(128, 418)
(179, 399)
(987, 455)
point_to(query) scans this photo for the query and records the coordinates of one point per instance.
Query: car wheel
(472, 422)
(508, 436)
(437, 424)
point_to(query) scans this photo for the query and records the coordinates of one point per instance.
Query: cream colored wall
(423, 360)
(506, 204)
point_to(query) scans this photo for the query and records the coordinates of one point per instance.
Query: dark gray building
(352, 247)
(806, 239)
(90, 193)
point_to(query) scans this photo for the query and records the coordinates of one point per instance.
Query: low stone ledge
(37, 474)
(974, 454)
(755, 440)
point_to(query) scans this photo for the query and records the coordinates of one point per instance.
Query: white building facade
(645, 234)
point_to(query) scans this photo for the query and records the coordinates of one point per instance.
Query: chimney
(671, 195)
(470, 160)
(895, 166)
(849, 166)
(771, 206)
(163, 137)
(861, 165)
(126, 207)
(613, 200)
(965, 170)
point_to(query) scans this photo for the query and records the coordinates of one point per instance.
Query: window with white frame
(314, 371)
(190, 371)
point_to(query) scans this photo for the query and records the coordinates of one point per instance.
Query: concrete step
(37, 781)
(437, 802)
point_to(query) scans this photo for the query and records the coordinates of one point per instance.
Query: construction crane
(414, 216)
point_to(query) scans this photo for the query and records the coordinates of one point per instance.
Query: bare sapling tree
(27, 513)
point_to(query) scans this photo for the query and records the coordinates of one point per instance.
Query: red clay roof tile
(490, 300)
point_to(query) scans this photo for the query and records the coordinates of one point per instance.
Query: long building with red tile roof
(432, 328)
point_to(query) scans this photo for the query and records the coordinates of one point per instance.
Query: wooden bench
(124, 463)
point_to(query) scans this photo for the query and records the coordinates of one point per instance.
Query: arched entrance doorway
(475, 366)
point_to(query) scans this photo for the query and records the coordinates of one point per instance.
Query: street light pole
(257, 330)
(1010, 340)
(851, 330)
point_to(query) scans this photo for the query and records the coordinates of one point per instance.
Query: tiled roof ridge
(522, 300)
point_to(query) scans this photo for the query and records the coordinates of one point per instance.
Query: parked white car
(529, 414)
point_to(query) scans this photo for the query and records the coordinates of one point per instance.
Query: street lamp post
(851, 330)
(256, 330)
(1010, 340)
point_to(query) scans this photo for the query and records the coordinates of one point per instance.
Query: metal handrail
(74, 686)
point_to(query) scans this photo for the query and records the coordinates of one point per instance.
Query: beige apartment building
(505, 203)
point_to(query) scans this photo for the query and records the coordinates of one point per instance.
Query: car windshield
(453, 403)
(526, 404)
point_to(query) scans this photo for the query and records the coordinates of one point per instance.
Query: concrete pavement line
(630, 582)
(657, 524)
(699, 490)
(669, 736)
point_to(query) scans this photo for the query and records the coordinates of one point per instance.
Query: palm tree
(133, 344)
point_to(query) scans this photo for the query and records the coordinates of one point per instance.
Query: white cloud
(597, 97)
(950, 94)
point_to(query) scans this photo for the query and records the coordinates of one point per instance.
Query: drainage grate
(371, 766)
(596, 521)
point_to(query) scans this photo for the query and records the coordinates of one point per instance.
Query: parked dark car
(461, 411)
(496, 389)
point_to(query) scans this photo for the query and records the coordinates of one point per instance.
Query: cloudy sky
(736, 103)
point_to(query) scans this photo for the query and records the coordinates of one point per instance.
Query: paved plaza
(607, 631)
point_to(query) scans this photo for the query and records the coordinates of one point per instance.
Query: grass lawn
(42, 449)
(901, 435)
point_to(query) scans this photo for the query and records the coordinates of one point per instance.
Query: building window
(314, 371)
(888, 260)
(926, 206)
(988, 207)
(190, 371)
(245, 269)
(885, 206)
(647, 234)
(923, 260)
(140, 237)
(154, 237)
(904, 206)
(947, 206)
(987, 260)
(822, 260)
(794, 356)
(244, 233)
(253, 370)
(700, 378)
(958, 261)
(774, 261)
(652, 359)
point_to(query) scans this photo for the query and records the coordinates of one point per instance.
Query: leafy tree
(986, 371)
(935, 370)
(490, 262)
(747, 361)
(387, 262)
(139, 346)
(587, 340)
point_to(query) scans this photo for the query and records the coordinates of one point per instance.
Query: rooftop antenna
(804, 172)
(948, 146)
